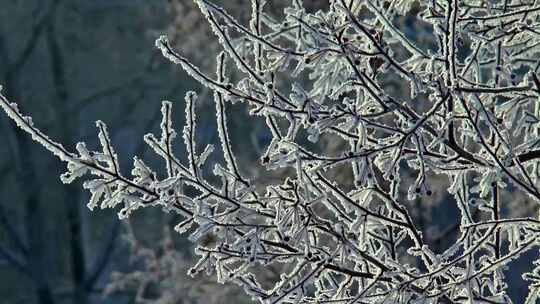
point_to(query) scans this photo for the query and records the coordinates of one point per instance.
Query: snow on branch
(471, 115)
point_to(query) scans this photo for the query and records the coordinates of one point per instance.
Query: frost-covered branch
(471, 115)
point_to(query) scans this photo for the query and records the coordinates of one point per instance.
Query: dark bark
(71, 193)
(34, 222)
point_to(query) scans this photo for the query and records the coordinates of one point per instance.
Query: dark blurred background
(71, 62)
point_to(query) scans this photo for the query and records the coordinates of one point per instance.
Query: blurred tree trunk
(36, 253)
(36, 258)
(71, 193)
(34, 222)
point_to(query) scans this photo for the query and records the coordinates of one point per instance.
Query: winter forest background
(70, 63)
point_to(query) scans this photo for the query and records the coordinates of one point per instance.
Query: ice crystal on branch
(471, 115)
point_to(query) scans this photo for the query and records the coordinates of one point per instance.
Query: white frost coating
(189, 129)
(26, 124)
(162, 43)
(221, 32)
(221, 118)
(167, 134)
(108, 156)
(392, 29)
(97, 188)
(339, 222)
